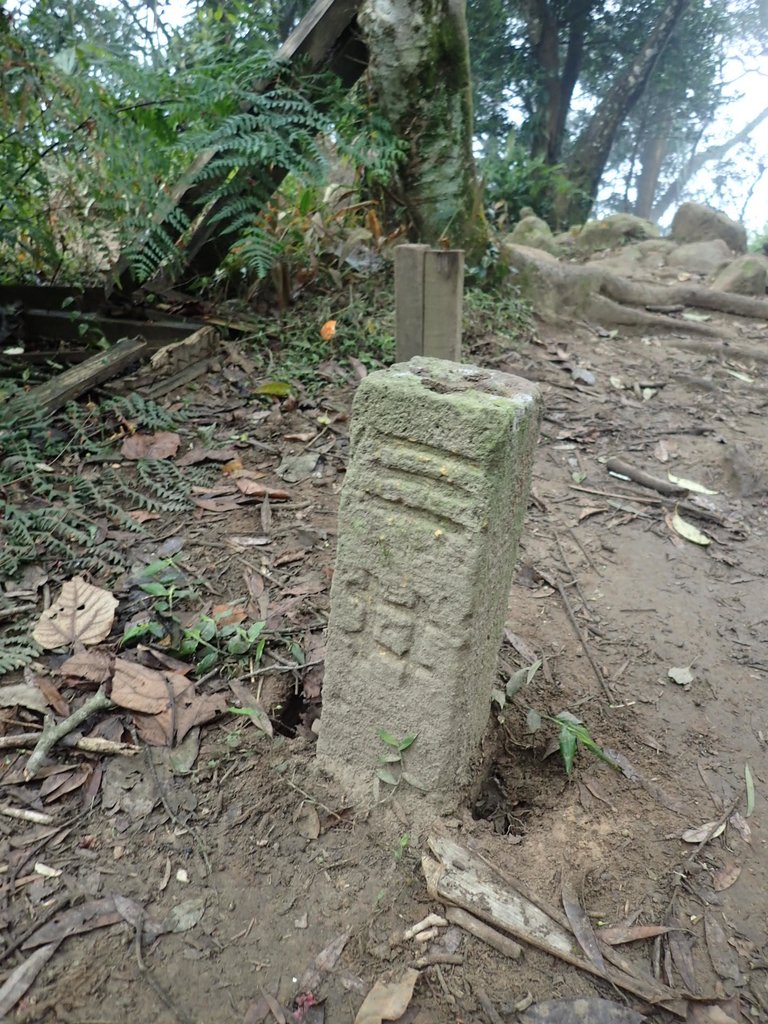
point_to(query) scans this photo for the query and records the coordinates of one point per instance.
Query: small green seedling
(516, 682)
(206, 642)
(402, 846)
(392, 767)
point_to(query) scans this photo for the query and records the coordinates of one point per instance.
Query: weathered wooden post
(429, 285)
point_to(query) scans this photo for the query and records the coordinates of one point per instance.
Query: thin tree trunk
(593, 146)
(653, 152)
(419, 77)
(692, 167)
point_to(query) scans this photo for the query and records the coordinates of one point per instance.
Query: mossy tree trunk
(419, 78)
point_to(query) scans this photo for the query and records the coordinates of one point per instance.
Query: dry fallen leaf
(195, 455)
(258, 490)
(162, 445)
(725, 876)
(95, 666)
(81, 614)
(709, 830)
(387, 1000)
(687, 530)
(620, 934)
(328, 330)
(308, 822)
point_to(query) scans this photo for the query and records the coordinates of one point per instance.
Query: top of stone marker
(446, 377)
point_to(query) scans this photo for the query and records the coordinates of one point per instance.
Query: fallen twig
(24, 814)
(89, 744)
(491, 936)
(53, 731)
(583, 640)
(620, 468)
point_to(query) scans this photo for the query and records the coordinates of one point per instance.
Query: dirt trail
(293, 868)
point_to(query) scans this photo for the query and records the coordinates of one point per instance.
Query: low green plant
(402, 846)
(515, 180)
(392, 771)
(209, 641)
(572, 735)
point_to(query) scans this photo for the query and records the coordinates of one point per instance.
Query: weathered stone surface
(534, 232)
(612, 231)
(694, 222)
(430, 516)
(746, 275)
(700, 257)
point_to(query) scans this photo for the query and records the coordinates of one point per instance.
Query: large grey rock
(533, 232)
(700, 257)
(613, 231)
(694, 222)
(747, 275)
(430, 516)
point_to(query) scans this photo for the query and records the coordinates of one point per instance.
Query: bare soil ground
(255, 864)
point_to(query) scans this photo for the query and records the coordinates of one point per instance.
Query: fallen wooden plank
(69, 326)
(66, 386)
(461, 878)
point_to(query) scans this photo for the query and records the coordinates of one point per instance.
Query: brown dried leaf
(82, 614)
(95, 666)
(620, 934)
(308, 822)
(714, 1013)
(50, 691)
(83, 918)
(726, 875)
(195, 455)
(324, 961)
(724, 959)
(222, 504)
(387, 1000)
(581, 925)
(162, 445)
(741, 825)
(680, 947)
(201, 709)
(580, 1011)
(139, 688)
(22, 977)
(143, 515)
(57, 786)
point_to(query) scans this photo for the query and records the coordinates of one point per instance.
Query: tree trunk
(593, 146)
(697, 161)
(653, 151)
(419, 75)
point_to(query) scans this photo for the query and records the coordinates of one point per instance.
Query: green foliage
(56, 493)
(515, 180)
(209, 641)
(499, 316)
(392, 771)
(293, 349)
(98, 121)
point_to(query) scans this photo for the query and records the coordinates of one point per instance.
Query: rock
(747, 275)
(533, 232)
(614, 231)
(700, 257)
(694, 222)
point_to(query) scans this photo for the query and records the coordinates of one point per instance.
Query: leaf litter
(267, 819)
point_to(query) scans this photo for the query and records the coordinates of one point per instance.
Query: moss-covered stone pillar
(430, 517)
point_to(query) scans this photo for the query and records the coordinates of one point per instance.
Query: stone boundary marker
(431, 512)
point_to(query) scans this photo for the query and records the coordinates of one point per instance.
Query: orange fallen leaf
(328, 330)
(233, 466)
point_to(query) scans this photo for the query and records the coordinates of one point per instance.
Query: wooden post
(428, 302)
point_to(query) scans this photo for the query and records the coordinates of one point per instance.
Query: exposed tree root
(587, 291)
